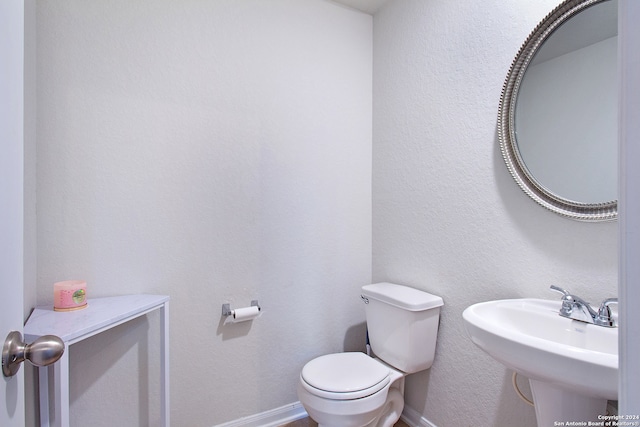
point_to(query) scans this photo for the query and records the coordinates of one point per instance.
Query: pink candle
(69, 295)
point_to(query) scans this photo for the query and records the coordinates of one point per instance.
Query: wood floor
(308, 422)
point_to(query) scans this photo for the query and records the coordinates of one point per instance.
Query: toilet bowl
(351, 390)
(355, 390)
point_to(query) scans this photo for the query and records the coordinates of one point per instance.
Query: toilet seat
(344, 376)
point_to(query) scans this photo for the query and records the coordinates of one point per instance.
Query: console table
(100, 315)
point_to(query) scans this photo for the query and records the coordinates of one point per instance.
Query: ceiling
(367, 6)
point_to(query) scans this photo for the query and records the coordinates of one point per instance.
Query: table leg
(43, 386)
(164, 364)
(61, 391)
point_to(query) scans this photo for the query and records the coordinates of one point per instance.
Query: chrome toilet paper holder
(227, 311)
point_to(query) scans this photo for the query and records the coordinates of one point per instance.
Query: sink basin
(563, 358)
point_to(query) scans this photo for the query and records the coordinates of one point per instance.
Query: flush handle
(42, 352)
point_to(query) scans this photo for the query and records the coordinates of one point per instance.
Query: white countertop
(100, 313)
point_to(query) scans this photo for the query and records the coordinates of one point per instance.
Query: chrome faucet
(576, 308)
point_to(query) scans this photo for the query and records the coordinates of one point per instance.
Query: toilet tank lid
(402, 296)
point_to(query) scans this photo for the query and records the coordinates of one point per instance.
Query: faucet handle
(567, 301)
(604, 313)
(564, 292)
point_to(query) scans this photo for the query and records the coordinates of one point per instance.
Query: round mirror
(557, 122)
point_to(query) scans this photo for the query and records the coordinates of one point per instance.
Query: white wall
(447, 216)
(217, 152)
(629, 222)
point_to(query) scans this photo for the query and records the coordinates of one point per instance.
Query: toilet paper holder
(227, 311)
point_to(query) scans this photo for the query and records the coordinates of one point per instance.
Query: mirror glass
(559, 111)
(567, 108)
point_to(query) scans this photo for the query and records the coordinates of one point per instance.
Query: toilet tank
(402, 323)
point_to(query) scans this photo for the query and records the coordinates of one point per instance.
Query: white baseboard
(295, 411)
(273, 418)
(415, 419)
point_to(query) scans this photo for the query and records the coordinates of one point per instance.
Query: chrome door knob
(42, 352)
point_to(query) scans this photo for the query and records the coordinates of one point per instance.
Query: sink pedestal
(556, 406)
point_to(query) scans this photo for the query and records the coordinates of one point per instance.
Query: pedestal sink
(572, 366)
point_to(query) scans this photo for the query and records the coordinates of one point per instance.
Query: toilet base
(392, 409)
(343, 413)
(387, 416)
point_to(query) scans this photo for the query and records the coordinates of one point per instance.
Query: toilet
(355, 390)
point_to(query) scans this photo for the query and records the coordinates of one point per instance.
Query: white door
(11, 195)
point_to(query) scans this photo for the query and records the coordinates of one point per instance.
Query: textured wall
(447, 216)
(217, 152)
